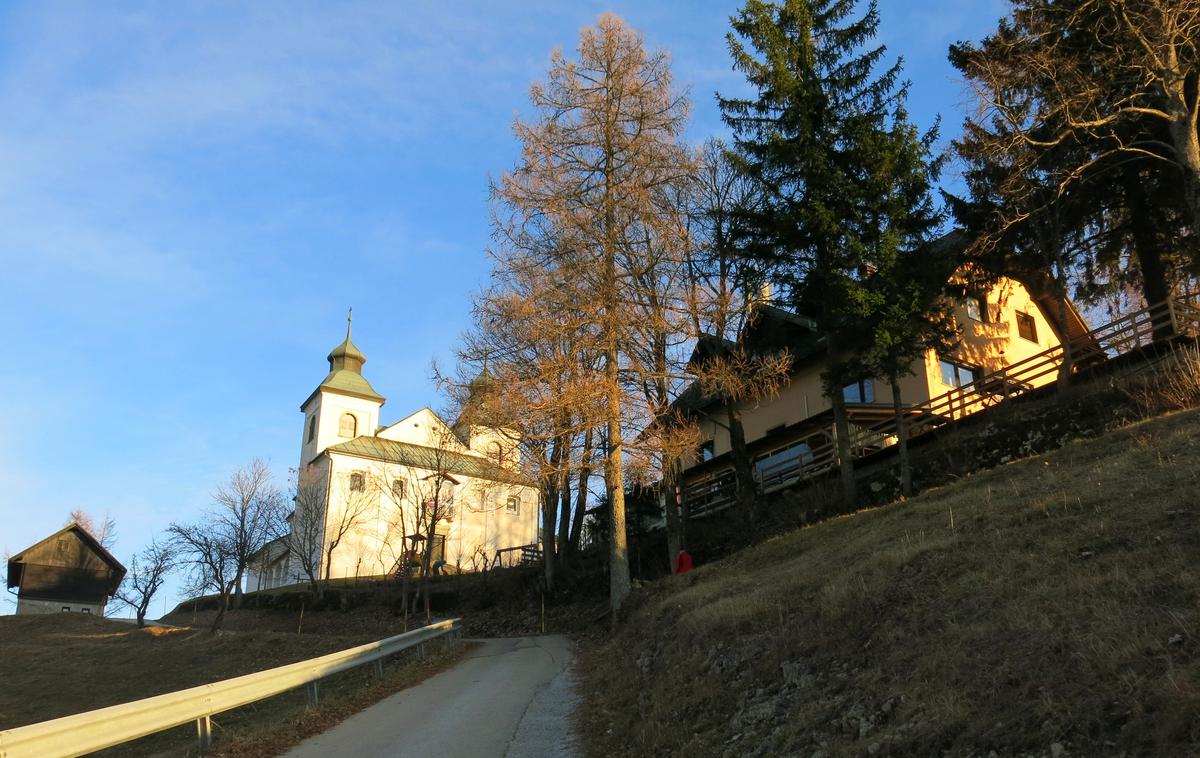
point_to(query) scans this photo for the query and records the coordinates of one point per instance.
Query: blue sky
(192, 194)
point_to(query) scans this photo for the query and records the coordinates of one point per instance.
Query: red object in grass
(683, 562)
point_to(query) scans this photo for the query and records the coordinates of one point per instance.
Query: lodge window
(66, 609)
(348, 426)
(1027, 327)
(956, 374)
(86, 610)
(312, 428)
(783, 460)
(859, 392)
(358, 482)
(514, 504)
(706, 451)
(398, 488)
(976, 309)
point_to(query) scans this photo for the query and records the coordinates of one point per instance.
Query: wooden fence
(1086, 352)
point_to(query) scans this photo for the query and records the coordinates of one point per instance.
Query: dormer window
(496, 453)
(348, 426)
(312, 428)
(1026, 327)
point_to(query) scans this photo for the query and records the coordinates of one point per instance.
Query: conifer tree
(1085, 152)
(844, 183)
(587, 197)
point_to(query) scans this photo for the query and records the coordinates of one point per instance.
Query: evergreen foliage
(845, 179)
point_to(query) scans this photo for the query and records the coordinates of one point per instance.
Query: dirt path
(511, 697)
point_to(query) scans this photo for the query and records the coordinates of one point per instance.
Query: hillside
(1044, 607)
(59, 664)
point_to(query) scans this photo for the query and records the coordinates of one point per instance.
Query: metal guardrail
(88, 732)
(1119, 337)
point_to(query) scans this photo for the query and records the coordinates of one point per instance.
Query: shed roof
(16, 564)
(429, 458)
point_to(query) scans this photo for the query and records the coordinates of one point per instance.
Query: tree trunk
(618, 575)
(1186, 138)
(237, 590)
(841, 431)
(670, 508)
(222, 607)
(1148, 250)
(564, 523)
(743, 470)
(902, 439)
(549, 529)
(581, 494)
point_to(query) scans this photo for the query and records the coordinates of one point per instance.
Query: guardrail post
(377, 667)
(421, 651)
(204, 732)
(313, 691)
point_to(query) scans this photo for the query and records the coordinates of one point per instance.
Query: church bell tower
(343, 406)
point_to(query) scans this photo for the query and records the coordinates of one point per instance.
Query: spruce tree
(844, 180)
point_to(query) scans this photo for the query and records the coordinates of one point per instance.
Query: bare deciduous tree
(245, 515)
(147, 572)
(304, 537)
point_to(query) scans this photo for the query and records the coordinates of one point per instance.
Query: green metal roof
(350, 383)
(429, 458)
(345, 373)
(346, 353)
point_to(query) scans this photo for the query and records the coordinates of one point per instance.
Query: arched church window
(312, 427)
(496, 453)
(348, 427)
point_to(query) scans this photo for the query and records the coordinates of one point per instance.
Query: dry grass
(56, 665)
(1053, 600)
(1174, 385)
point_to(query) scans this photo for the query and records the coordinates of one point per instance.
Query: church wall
(423, 428)
(480, 516)
(328, 408)
(500, 445)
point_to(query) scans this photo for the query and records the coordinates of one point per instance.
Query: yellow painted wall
(989, 345)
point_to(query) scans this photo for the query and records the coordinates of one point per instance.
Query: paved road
(509, 697)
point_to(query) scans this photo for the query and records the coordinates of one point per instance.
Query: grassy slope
(1053, 600)
(56, 665)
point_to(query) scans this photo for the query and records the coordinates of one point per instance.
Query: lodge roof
(17, 563)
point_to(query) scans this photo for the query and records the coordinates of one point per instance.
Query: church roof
(429, 458)
(345, 373)
(349, 382)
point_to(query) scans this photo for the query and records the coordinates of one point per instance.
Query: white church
(365, 490)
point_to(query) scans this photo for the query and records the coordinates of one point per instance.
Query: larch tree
(103, 530)
(811, 142)
(604, 144)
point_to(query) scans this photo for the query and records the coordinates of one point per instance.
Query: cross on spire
(349, 322)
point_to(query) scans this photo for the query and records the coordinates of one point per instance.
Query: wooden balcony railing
(1124, 335)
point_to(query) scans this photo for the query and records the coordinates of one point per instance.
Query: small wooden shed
(69, 571)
